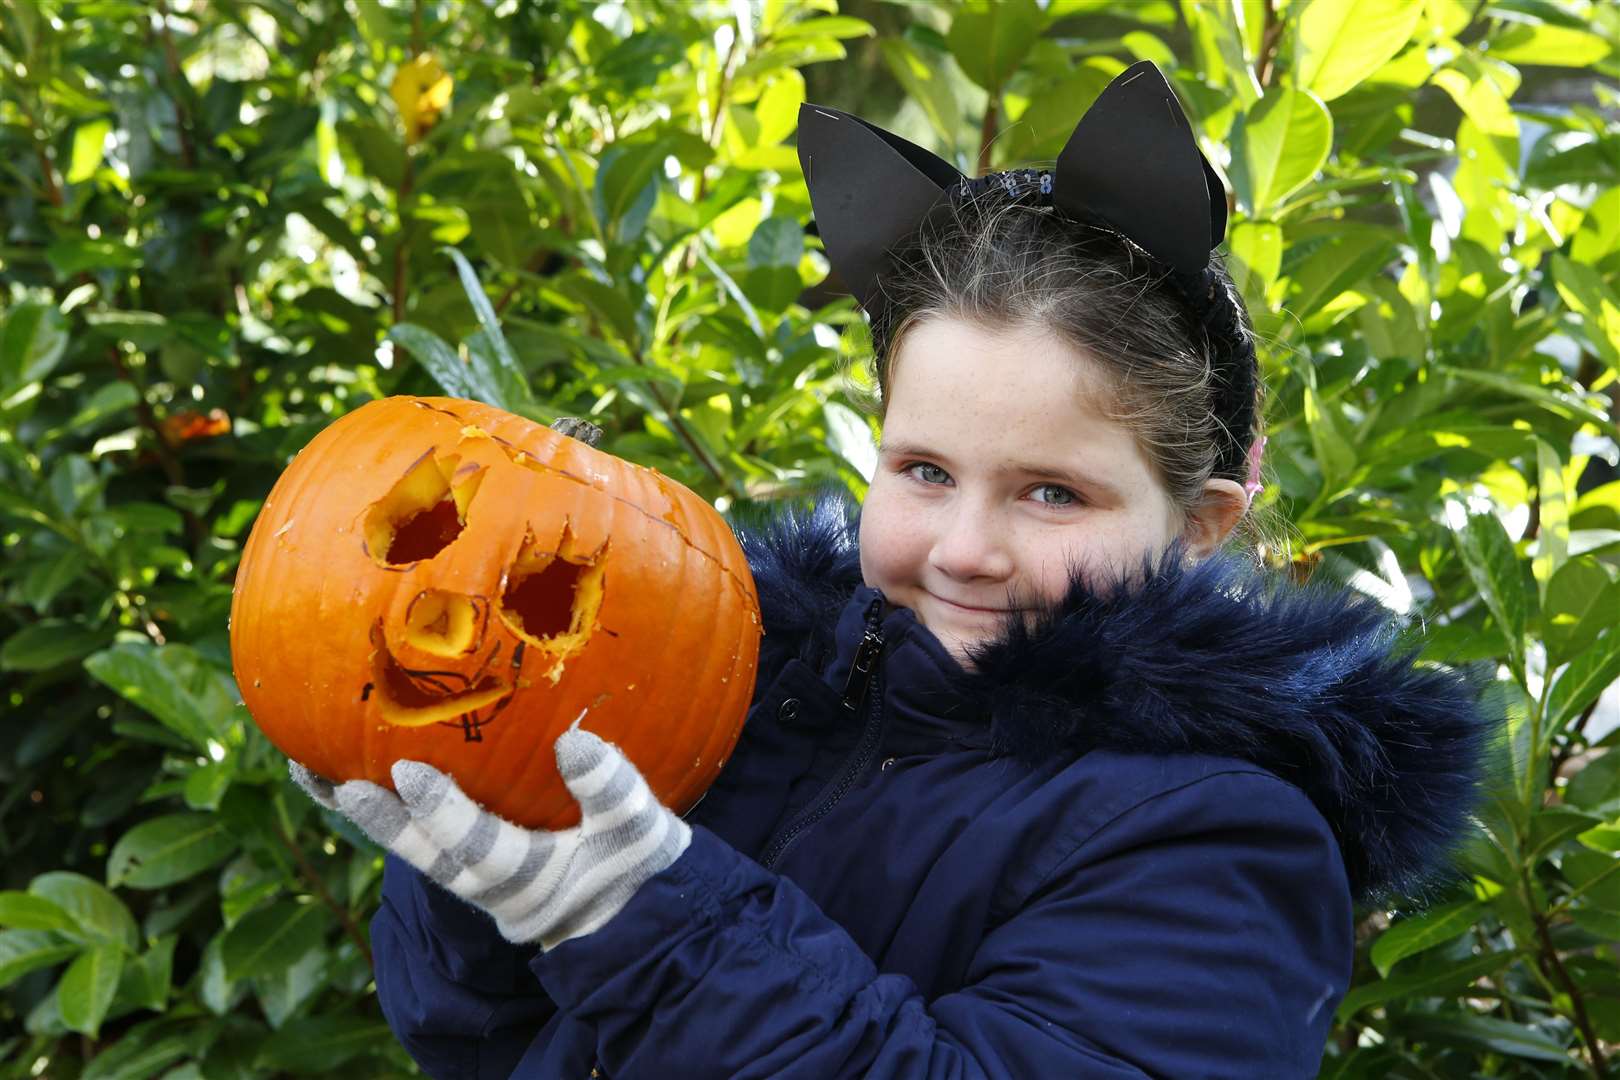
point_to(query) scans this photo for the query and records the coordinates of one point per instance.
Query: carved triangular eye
(550, 598)
(423, 512)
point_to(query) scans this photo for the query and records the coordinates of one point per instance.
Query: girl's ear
(1211, 520)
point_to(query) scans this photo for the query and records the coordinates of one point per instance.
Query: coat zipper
(863, 674)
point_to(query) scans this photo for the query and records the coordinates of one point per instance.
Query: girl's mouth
(976, 610)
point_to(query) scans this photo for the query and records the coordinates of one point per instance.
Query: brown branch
(1554, 966)
(1566, 750)
(407, 181)
(53, 186)
(987, 132)
(307, 871)
(680, 429)
(183, 123)
(53, 189)
(1270, 42)
(173, 470)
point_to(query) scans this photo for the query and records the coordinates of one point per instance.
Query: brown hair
(998, 262)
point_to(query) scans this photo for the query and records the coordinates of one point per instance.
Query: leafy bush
(227, 223)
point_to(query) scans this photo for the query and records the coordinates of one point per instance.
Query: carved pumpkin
(440, 580)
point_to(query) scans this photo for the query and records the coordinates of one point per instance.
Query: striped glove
(541, 886)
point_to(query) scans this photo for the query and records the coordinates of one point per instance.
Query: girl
(1036, 783)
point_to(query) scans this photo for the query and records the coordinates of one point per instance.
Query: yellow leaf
(421, 90)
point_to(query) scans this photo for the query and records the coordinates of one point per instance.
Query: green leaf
(1494, 568)
(87, 988)
(1594, 875)
(206, 785)
(99, 917)
(1256, 247)
(1604, 838)
(1429, 984)
(925, 83)
(217, 993)
(320, 1043)
(70, 257)
(1487, 1033)
(142, 329)
(990, 38)
(1605, 924)
(1222, 56)
(168, 849)
(88, 141)
(1341, 42)
(778, 241)
(1278, 147)
(107, 400)
(1596, 784)
(22, 951)
(1558, 402)
(850, 437)
(627, 170)
(772, 288)
(75, 485)
(50, 643)
(381, 153)
(1334, 451)
(1553, 825)
(1582, 598)
(1350, 254)
(458, 378)
(47, 578)
(25, 911)
(32, 341)
(283, 994)
(148, 1048)
(1546, 44)
(1434, 927)
(272, 938)
(149, 977)
(186, 693)
(1555, 494)
(834, 26)
(509, 376)
(1586, 677)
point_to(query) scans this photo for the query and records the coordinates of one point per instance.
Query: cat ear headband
(1131, 166)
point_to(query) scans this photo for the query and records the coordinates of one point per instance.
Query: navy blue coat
(1128, 844)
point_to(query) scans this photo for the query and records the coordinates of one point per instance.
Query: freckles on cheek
(883, 539)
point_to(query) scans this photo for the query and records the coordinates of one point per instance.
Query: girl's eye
(927, 472)
(1058, 496)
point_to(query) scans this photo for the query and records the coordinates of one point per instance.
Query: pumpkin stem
(577, 428)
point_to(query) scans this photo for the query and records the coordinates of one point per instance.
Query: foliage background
(227, 222)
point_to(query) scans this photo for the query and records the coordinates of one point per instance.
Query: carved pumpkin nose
(443, 623)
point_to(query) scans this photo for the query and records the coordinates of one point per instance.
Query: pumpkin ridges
(298, 636)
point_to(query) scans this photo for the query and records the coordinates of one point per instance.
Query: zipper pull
(866, 656)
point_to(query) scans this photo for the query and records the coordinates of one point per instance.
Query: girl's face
(998, 471)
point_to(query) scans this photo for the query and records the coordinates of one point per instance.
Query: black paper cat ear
(869, 189)
(1134, 162)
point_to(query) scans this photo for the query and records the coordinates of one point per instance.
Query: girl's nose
(971, 546)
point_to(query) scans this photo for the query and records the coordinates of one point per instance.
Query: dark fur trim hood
(1313, 684)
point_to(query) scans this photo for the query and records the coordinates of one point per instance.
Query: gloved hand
(541, 886)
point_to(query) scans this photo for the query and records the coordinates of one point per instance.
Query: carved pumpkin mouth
(413, 697)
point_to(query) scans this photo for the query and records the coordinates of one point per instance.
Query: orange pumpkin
(440, 580)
